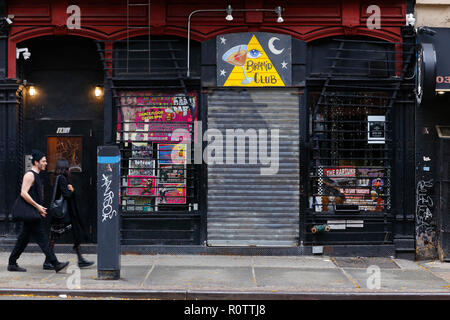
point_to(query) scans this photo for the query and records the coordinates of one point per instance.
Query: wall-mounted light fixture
(278, 11)
(229, 17)
(32, 91)
(98, 91)
(441, 92)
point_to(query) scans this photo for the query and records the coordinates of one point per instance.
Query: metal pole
(188, 74)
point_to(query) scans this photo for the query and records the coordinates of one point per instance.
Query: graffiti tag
(108, 197)
(424, 207)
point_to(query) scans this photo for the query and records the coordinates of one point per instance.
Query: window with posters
(155, 173)
(351, 172)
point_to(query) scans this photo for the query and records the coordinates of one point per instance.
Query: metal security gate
(246, 207)
(355, 125)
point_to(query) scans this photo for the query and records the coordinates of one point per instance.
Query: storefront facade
(432, 138)
(285, 128)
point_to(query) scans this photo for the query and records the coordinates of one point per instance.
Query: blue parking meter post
(108, 216)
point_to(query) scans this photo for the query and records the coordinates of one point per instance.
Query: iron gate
(352, 142)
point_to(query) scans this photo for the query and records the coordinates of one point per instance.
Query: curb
(226, 295)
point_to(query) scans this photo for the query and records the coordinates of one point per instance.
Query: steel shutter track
(246, 208)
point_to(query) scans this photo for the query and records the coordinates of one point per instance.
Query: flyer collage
(156, 173)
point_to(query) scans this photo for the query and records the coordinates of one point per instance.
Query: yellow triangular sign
(257, 71)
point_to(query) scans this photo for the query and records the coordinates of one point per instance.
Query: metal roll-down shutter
(246, 208)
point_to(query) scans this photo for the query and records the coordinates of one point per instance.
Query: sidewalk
(231, 277)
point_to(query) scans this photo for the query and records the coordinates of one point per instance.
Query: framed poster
(171, 173)
(152, 117)
(376, 129)
(141, 186)
(171, 193)
(172, 153)
(345, 185)
(141, 167)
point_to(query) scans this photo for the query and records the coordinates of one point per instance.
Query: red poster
(141, 186)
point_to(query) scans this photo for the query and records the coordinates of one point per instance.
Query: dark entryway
(75, 141)
(64, 118)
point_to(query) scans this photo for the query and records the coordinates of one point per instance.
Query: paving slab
(305, 279)
(399, 280)
(201, 277)
(294, 262)
(204, 261)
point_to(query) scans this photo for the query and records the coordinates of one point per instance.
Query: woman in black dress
(72, 220)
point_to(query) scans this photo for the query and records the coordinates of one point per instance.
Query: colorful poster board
(153, 117)
(171, 173)
(141, 167)
(171, 193)
(172, 153)
(346, 185)
(141, 186)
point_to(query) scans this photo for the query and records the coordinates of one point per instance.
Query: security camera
(26, 54)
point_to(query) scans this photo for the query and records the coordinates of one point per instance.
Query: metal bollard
(108, 217)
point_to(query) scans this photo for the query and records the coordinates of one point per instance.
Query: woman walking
(72, 220)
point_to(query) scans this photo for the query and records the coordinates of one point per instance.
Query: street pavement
(204, 277)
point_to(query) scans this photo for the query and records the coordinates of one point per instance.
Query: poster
(376, 129)
(172, 153)
(141, 186)
(141, 167)
(171, 193)
(346, 185)
(153, 117)
(138, 204)
(171, 173)
(141, 151)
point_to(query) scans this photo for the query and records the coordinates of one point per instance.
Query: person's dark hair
(36, 155)
(62, 167)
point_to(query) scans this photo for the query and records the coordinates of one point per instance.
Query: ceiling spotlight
(441, 92)
(229, 10)
(278, 11)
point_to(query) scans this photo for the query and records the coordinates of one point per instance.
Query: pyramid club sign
(253, 60)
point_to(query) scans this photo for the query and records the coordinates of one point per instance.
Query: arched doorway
(64, 118)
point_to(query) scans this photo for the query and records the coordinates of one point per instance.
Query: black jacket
(74, 216)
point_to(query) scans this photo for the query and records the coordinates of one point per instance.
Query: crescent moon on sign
(272, 47)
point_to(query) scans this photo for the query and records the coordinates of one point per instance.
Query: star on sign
(222, 72)
(284, 65)
(223, 40)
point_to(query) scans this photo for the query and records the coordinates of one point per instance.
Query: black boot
(82, 263)
(58, 266)
(15, 267)
(47, 264)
